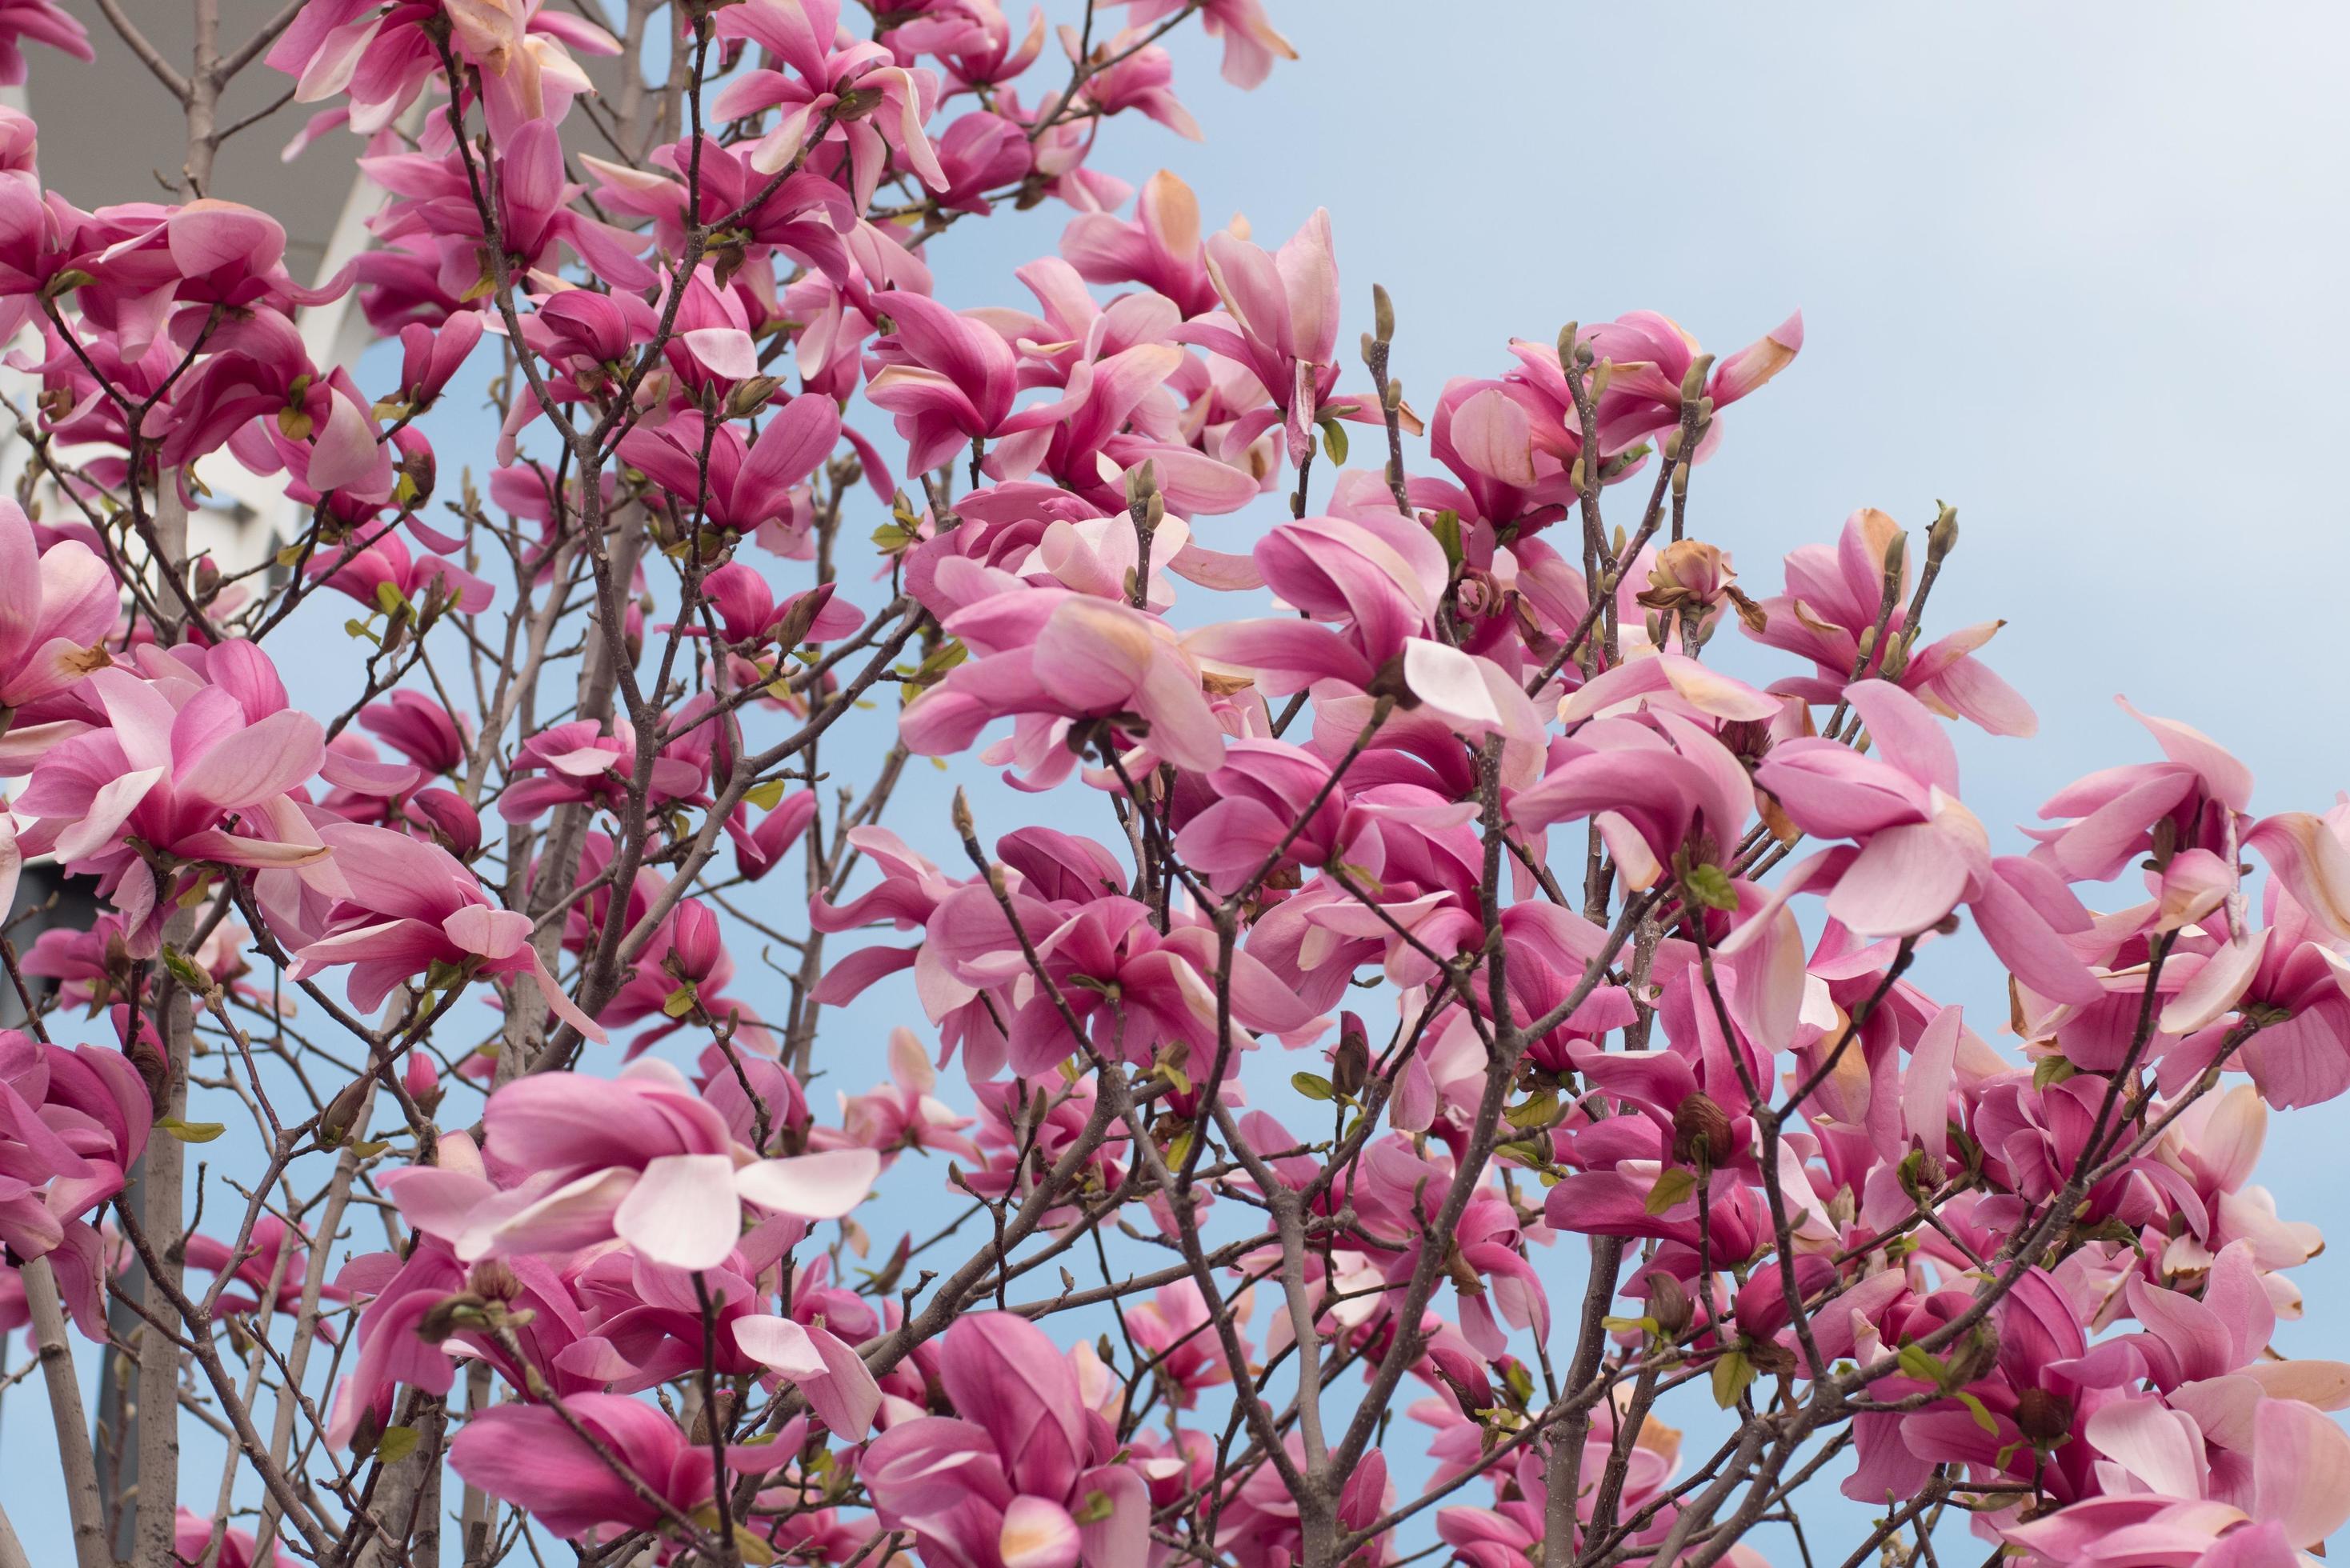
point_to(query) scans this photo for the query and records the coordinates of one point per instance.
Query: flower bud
(1689, 574)
(1693, 383)
(1141, 483)
(1382, 314)
(1669, 1307)
(1567, 346)
(1701, 1132)
(2042, 1418)
(1943, 536)
(335, 1124)
(154, 1070)
(748, 397)
(422, 1081)
(1350, 1065)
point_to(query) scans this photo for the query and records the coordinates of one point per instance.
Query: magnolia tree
(1425, 897)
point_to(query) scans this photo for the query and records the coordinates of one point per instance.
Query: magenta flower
(44, 23)
(529, 1455)
(411, 905)
(1158, 247)
(891, 102)
(1021, 1477)
(1832, 599)
(949, 378)
(642, 1157)
(1250, 45)
(1280, 320)
(57, 607)
(1922, 852)
(191, 773)
(752, 484)
(1049, 657)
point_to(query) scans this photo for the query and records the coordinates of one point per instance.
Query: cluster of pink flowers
(1445, 909)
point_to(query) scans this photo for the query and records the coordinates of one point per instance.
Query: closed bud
(748, 397)
(1567, 346)
(713, 1419)
(335, 1124)
(1897, 555)
(1944, 534)
(1141, 483)
(1701, 1132)
(964, 825)
(1668, 1305)
(2042, 1418)
(1693, 383)
(1392, 396)
(154, 1070)
(1382, 314)
(1350, 1064)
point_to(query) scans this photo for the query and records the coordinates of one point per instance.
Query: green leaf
(1923, 1364)
(766, 796)
(1540, 1111)
(1629, 1324)
(1334, 441)
(396, 1444)
(189, 1132)
(679, 1002)
(389, 600)
(2049, 1070)
(1094, 1510)
(1176, 1077)
(1975, 1408)
(185, 971)
(1312, 1085)
(1448, 534)
(1731, 1374)
(1675, 1183)
(1711, 885)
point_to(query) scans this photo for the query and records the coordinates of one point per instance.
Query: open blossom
(1019, 1475)
(1922, 852)
(642, 1157)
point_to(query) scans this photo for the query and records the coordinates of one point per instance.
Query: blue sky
(2073, 270)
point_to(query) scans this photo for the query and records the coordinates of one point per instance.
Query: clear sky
(2073, 269)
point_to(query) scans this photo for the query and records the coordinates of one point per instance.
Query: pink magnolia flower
(1023, 1476)
(379, 571)
(1922, 852)
(1048, 657)
(192, 1534)
(751, 483)
(434, 198)
(411, 905)
(178, 763)
(1280, 320)
(1833, 597)
(57, 607)
(1158, 247)
(382, 59)
(529, 1455)
(1250, 45)
(44, 23)
(904, 1114)
(824, 73)
(640, 1156)
(948, 378)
